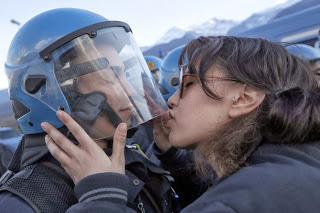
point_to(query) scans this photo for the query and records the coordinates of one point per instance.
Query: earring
(234, 100)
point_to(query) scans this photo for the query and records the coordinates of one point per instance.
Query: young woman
(248, 109)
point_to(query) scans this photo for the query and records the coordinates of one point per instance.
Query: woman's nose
(173, 101)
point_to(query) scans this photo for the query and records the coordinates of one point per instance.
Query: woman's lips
(171, 115)
(169, 119)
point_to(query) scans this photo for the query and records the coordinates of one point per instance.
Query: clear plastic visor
(106, 81)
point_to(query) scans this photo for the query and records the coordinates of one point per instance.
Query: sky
(149, 19)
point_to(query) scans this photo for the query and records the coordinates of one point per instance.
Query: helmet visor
(106, 81)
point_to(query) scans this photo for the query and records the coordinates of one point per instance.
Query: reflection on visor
(76, 70)
(130, 62)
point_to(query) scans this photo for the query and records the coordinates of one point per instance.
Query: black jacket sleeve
(103, 192)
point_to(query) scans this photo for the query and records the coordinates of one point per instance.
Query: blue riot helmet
(305, 52)
(169, 73)
(80, 62)
(154, 64)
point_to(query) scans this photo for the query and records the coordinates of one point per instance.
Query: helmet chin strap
(88, 107)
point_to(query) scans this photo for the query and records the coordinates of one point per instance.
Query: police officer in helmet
(169, 73)
(154, 64)
(76, 61)
(308, 53)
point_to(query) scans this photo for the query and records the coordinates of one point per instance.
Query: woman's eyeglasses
(187, 79)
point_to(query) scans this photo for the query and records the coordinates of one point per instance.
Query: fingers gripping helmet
(78, 61)
(305, 52)
(154, 64)
(169, 73)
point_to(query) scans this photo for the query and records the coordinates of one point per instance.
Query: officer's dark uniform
(43, 186)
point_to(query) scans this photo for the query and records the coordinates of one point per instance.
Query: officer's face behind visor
(104, 82)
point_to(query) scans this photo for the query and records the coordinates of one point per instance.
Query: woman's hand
(161, 132)
(87, 158)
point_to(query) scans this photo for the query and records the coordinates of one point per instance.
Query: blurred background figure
(169, 73)
(307, 53)
(9, 140)
(9, 132)
(154, 64)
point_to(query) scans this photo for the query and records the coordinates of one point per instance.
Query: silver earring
(234, 100)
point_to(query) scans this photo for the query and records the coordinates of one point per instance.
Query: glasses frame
(184, 74)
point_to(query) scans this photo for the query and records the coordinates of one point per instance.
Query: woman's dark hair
(289, 112)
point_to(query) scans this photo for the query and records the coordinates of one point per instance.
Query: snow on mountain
(211, 27)
(172, 33)
(178, 36)
(261, 18)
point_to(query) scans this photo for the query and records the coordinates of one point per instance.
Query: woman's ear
(246, 101)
